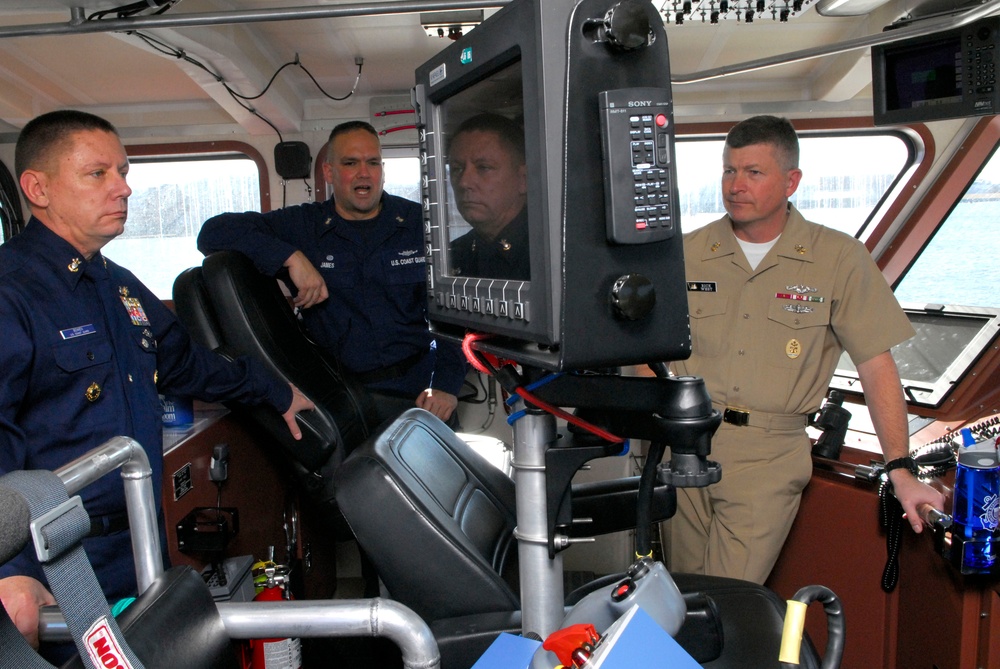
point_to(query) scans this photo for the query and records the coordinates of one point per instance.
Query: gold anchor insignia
(715, 246)
(123, 291)
(504, 245)
(93, 392)
(801, 250)
(793, 348)
(74, 265)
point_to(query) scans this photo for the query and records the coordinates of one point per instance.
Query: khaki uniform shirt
(769, 339)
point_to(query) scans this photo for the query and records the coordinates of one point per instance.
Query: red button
(661, 120)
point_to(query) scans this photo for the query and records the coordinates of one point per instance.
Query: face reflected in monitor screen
(487, 220)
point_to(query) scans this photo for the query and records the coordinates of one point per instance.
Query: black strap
(891, 519)
(102, 526)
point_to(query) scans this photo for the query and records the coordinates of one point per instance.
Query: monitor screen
(549, 186)
(949, 74)
(485, 212)
(925, 74)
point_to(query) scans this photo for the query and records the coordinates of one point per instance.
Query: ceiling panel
(116, 75)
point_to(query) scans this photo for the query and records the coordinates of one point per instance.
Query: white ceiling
(124, 79)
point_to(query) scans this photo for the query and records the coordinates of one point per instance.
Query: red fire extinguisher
(271, 585)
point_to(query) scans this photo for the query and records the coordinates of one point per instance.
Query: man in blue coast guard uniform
(357, 265)
(87, 348)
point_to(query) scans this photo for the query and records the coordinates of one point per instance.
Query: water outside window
(959, 265)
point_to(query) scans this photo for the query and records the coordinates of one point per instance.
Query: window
(959, 265)
(844, 178)
(170, 200)
(402, 173)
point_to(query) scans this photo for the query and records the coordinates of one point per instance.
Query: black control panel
(637, 149)
(948, 74)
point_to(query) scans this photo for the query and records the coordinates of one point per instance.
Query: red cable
(568, 417)
(473, 356)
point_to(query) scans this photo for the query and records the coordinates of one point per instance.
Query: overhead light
(847, 7)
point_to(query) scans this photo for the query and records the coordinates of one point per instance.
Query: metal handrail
(242, 620)
(308, 619)
(137, 475)
(78, 24)
(336, 618)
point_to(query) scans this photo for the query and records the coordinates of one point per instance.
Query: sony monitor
(549, 186)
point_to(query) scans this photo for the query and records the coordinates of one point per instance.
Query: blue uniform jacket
(86, 348)
(376, 315)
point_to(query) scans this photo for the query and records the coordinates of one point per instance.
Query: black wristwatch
(907, 463)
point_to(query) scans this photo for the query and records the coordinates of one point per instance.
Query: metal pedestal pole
(542, 595)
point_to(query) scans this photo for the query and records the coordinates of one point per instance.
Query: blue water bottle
(976, 505)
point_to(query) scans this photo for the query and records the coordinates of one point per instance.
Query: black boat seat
(438, 522)
(232, 308)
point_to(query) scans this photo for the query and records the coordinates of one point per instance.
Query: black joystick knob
(633, 296)
(626, 25)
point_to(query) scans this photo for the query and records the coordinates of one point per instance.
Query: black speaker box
(292, 160)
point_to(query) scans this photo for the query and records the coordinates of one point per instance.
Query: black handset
(218, 469)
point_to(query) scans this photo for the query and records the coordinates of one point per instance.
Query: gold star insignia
(715, 246)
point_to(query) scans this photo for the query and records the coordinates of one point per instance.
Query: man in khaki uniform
(774, 300)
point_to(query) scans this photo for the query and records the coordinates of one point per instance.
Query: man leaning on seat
(356, 265)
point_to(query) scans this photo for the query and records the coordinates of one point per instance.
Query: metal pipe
(924, 28)
(76, 27)
(542, 607)
(129, 455)
(335, 618)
